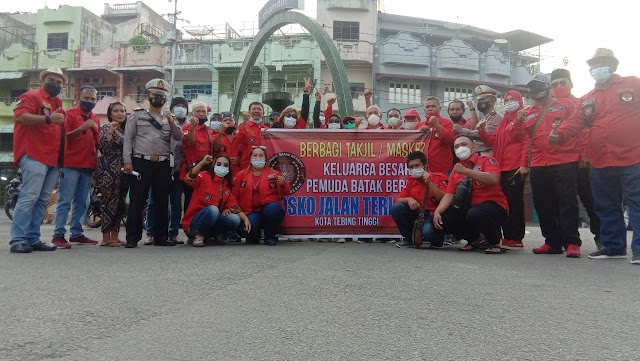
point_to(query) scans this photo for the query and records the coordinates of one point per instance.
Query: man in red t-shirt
(441, 130)
(487, 208)
(411, 200)
(38, 150)
(82, 127)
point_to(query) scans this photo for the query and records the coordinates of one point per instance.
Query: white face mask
(289, 122)
(215, 125)
(180, 112)
(511, 107)
(373, 120)
(257, 121)
(417, 172)
(463, 153)
(333, 126)
(258, 163)
(410, 125)
(321, 119)
(221, 171)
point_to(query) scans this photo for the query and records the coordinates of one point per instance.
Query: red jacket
(201, 147)
(81, 152)
(439, 152)
(611, 112)
(507, 146)
(481, 192)
(208, 192)
(232, 149)
(415, 189)
(41, 142)
(249, 134)
(543, 153)
(270, 190)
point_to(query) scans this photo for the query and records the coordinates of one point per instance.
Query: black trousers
(513, 189)
(586, 197)
(485, 218)
(556, 201)
(188, 193)
(157, 176)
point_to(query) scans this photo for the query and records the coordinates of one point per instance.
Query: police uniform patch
(493, 161)
(588, 107)
(243, 184)
(627, 95)
(207, 197)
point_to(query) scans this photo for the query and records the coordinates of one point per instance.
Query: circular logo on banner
(291, 167)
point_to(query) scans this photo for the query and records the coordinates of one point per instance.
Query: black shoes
(21, 248)
(131, 245)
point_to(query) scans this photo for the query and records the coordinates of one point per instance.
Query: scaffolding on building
(18, 31)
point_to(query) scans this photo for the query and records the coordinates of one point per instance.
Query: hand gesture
(194, 121)
(437, 220)
(522, 171)
(307, 85)
(413, 204)
(318, 95)
(368, 93)
(57, 117)
(470, 104)
(426, 177)
(457, 128)
(168, 116)
(433, 121)
(426, 130)
(482, 125)
(554, 136)
(223, 128)
(522, 115)
(113, 125)
(358, 122)
(128, 168)
(246, 116)
(331, 101)
(280, 180)
(460, 169)
(208, 159)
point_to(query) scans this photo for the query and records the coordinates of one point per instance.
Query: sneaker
(404, 244)
(341, 240)
(82, 239)
(447, 242)
(636, 258)
(547, 249)
(233, 238)
(270, 241)
(573, 251)
(149, 241)
(606, 254)
(60, 242)
(176, 239)
(512, 245)
(39, 246)
(198, 241)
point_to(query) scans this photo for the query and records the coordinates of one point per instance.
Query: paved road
(314, 301)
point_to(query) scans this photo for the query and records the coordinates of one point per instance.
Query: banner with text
(343, 183)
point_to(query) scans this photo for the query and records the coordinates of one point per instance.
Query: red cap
(412, 113)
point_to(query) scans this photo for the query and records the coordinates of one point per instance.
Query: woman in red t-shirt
(259, 190)
(213, 206)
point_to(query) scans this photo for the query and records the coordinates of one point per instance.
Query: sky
(577, 27)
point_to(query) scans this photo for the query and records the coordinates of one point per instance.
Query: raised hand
(368, 93)
(318, 95)
(522, 115)
(331, 101)
(307, 85)
(482, 125)
(554, 136)
(57, 117)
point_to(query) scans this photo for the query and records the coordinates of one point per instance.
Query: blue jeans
(74, 188)
(269, 218)
(38, 181)
(405, 218)
(610, 185)
(176, 188)
(210, 219)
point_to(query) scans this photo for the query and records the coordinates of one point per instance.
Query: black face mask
(52, 88)
(455, 119)
(539, 94)
(157, 102)
(202, 120)
(230, 130)
(483, 107)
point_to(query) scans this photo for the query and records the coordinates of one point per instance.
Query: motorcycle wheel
(8, 209)
(93, 218)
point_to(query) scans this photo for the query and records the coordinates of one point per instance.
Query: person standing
(112, 182)
(37, 116)
(250, 131)
(442, 136)
(561, 86)
(456, 111)
(147, 149)
(81, 154)
(553, 169)
(611, 111)
(486, 103)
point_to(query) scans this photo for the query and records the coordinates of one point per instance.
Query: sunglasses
(555, 83)
(227, 115)
(220, 164)
(259, 147)
(334, 120)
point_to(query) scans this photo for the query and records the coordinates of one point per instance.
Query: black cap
(179, 100)
(560, 73)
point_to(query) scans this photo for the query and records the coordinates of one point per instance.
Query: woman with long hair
(111, 181)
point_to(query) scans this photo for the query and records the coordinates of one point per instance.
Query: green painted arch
(327, 47)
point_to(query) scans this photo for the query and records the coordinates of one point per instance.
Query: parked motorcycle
(13, 191)
(94, 212)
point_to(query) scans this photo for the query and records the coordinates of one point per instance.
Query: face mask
(410, 125)
(537, 94)
(258, 163)
(511, 107)
(373, 120)
(561, 91)
(463, 153)
(52, 88)
(333, 126)
(483, 107)
(202, 120)
(221, 171)
(599, 74)
(180, 112)
(350, 126)
(157, 102)
(257, 121)
(455, 119)
(230, 130)
(417, 172)
(392, 121)
(215, 125)
(321, 119)
(87, 106)
(290, 122)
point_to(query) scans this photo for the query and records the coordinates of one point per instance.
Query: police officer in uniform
(147, 150)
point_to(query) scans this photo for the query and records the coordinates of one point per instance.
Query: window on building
(405, 93)
(452, 92)
(357, 89)
(106, 92)
(346, 31)
(6, 142)
(227, 83)
(57, 41)
(191, 91)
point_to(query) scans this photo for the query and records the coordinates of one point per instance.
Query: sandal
(149, 241)
(111, 244)
(198, 241)
(467, 248)
(494, 250)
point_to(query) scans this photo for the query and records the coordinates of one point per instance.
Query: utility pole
(173, 48)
